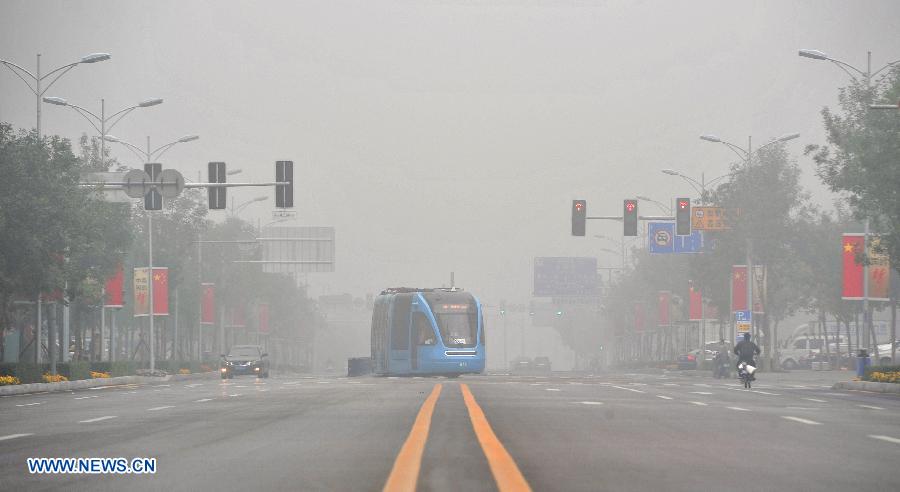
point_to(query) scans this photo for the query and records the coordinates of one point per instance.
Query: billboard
(556, 276)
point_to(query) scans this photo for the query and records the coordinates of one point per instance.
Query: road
(660, 432)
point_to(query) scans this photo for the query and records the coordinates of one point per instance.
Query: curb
(868, 386)
(20, 389)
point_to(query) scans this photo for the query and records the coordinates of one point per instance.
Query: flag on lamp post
(208, 304)
(696, 304)
(115, 289)
(739, 288)
(665, 299)
(264, 317)
(160, 291)
(854, 270)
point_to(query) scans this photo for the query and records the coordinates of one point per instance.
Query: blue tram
(427, 331)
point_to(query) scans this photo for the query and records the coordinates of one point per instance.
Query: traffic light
(284, 194)
(683, 217)
(630, 218)
(153, 200)
(579, 214)
(216, 193)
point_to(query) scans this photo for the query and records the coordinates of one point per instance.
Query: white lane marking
(702, 384)
(699, 403)
(738, 409)
(834, 394)
(322, 382)
(765, 393)
(164, 385)
(236, 394)
(551, 389)
(796, 386)
(28, 404)
(292, 382)
(873, 436)
(802, 421)
(202, 400)
(701, 392)
(240, 386)
(193, 385)
(98, 419)
(160, 408)
(628, 389)
(86, 397)
(669, 384)
(871, 407)
(664, 397)
(590, 402)
(816, 400)
(639, 384)
(802, 408)
(13, 436)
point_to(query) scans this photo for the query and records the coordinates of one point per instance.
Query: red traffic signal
(683, 217)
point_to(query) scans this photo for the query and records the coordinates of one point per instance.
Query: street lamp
(699, 186)
(102, 119)
(38, 78)
(867, 75)
(746, 156)
(239, 208)
(662, 206)
(885, 106)
(148, 156)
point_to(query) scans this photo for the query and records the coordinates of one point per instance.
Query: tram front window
(458, 329)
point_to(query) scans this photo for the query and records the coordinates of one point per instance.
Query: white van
(800, 351)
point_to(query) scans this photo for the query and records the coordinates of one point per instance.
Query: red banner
(739, 288)
(160, 291)
(665, 299)
(263, 317)
(115, 289)
(696, 304)
(208, 304)
(879, 269)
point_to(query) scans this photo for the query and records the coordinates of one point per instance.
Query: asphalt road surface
(659, 432)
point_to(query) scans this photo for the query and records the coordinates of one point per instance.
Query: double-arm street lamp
(37, 78)
(662, 206)
(242, 206)
(100, 122)
(148, 156)
(746, 155)
(699, 186)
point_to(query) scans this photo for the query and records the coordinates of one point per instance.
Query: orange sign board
(709, 219)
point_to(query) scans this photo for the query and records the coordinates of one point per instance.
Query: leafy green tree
(862, 157)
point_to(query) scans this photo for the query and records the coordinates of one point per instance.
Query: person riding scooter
(721, 363)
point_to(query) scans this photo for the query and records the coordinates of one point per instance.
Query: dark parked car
(245, 360)
(689, 360)
(541, 365)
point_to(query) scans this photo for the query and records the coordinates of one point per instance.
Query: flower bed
(54, 378)
(883, 374)
(7, 380)
(99, 375)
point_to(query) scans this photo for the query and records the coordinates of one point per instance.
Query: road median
(21, 389)
(868, 386)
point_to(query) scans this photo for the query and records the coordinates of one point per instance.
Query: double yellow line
(405, 473)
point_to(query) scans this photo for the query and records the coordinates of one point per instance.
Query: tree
(862, 157)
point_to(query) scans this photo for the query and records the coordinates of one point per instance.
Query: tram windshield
(457, 319)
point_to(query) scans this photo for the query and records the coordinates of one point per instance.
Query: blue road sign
(565, 276)
(662, 239)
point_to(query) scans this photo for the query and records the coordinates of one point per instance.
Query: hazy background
(449, 136)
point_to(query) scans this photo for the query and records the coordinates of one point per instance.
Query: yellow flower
(98, 374)
(8, 380)
(54, 378)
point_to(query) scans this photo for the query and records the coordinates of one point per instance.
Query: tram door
(400, 315)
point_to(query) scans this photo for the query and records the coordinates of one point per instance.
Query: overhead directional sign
(662, 239)
(709, 219)
(565, 276)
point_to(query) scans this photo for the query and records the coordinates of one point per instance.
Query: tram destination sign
(556, 276)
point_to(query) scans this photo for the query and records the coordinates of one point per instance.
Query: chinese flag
(739, 288)
(696, 304)
(115, 289)
(853, 271)
(160, 291)
(263, 317)
(208, 304)
(879, 272)
(664, 301)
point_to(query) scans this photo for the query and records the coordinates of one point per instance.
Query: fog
(448, 136)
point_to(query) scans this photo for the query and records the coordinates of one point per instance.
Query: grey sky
(439, 136)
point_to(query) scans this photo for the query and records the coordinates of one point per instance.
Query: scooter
(722, 369)
(745, 372)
